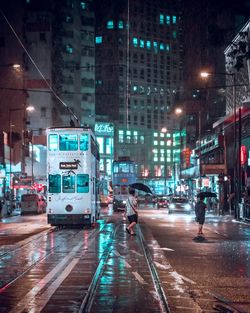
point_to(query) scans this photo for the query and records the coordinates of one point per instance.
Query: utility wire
(33, 62)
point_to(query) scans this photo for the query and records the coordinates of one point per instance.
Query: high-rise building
(138, 78)
(53, 42)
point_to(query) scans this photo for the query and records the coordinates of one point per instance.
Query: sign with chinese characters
(104, 129)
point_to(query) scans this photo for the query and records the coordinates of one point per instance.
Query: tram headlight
(187, 207)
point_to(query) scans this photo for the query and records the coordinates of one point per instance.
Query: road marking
(127, 265)
(164, 267)
(179, 278)
(123, 245)
(139, 278)
(60, 267)
(135, 252)
(41, 300)
(165, 249)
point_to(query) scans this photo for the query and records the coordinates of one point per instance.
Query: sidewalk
(5, 214)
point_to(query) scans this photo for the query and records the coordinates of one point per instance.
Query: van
(33, 203)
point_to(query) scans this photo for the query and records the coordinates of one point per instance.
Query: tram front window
(68, 184)
(53, 142)
(68, 142)
(55, 183)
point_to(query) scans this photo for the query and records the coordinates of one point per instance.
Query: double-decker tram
(73, 176)
(123, 174)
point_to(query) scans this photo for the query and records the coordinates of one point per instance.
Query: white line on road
(60, 267)
(123, 245)
(187, 279)
(164, 267)
(41, 300)
(165, 249)
(127, 265)
(139, 278)
(135, 252)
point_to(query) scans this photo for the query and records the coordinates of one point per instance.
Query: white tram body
(72, 176)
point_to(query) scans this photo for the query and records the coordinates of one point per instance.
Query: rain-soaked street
(103, 269)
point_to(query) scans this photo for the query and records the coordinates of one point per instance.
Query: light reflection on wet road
(193, 274)
(220, 265)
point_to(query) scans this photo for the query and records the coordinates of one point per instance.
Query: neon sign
(104, 128)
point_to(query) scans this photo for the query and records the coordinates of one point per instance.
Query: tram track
(89, 297)
(86, 305)
(154, 274)
(202, 298)
(8, 256)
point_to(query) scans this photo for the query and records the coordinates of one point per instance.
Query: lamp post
(11, 110)
(236, 141)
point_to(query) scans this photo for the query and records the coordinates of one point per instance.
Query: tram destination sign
(68, 165)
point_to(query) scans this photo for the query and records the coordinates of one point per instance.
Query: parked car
(162, 202)
(180, 204)
(33, 203)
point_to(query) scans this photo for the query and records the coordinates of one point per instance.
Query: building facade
(138, 75)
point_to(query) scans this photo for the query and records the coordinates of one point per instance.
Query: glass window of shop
(109, 145)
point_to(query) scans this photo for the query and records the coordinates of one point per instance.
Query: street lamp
(11, 110)
(236, 148)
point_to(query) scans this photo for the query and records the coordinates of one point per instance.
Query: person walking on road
(200, 212)
(132, 212)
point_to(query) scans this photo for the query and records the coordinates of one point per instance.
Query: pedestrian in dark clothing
(131, 211)
(200, 211)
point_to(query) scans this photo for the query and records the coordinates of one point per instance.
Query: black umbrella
(207, 194)
(140, 186)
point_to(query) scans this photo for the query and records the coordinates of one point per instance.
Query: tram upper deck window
(53, 142)
(55, 183)
(68, 183)
(84, 142)
(82, 183)
(68, 142)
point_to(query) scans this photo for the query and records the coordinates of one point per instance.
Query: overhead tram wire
(41, 74)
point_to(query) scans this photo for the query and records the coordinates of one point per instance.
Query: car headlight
(171, 206)
(187, 207)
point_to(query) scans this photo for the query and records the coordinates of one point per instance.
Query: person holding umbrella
(132, 212)
(200, 212)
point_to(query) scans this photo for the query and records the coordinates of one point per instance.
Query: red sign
(243, 155)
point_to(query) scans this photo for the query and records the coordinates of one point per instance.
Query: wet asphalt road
(196, 276)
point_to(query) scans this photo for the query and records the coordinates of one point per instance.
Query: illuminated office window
(162, 46)
(135, 42)
(98, 39)
(120, 136)
(161, 19)
(100, 141)
(110, 24)
(141, 43)
(120, 24)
